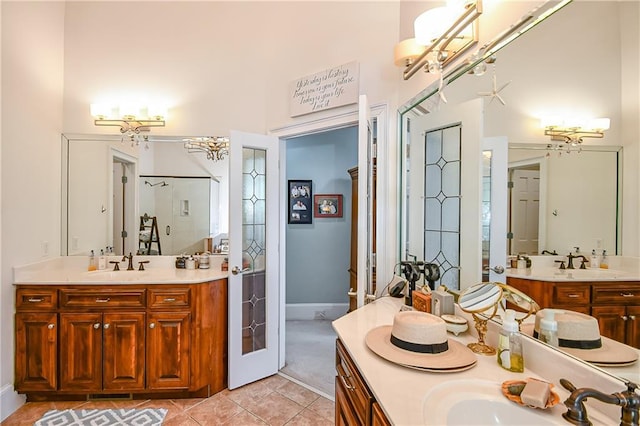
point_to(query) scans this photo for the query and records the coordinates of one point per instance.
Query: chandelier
(216, 147)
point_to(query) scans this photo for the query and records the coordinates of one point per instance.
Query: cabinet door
(378, 418)
(611, 321)
(345, 413)
(168, 340)
(123, 360)
(36, 351)
(80, 352)
(633, 326)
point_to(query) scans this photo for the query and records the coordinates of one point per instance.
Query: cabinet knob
(624, 317)
(50, 326)
(96, 325)
(632, 317)
(152, 325)
(106, 326)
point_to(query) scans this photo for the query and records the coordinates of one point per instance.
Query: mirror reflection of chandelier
(216, 147)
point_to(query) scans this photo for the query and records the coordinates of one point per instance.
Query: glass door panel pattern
(486, 213)
(253, 249)
(442, 202)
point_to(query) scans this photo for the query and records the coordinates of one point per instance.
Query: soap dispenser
(92, 262)
(595, 259)
(510, 354)
(549, 328)
(604, 262)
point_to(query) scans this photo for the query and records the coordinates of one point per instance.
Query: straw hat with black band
(419, 340)
(579, 335)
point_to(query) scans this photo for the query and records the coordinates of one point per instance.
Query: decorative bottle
(92, 262)
(510, 354)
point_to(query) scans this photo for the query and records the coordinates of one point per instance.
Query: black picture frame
(300, 201)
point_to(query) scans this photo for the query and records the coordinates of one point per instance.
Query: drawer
(164, 298)
(571, 294)
(616, 294)
(29, 299)
(99, 298)
(356, 390)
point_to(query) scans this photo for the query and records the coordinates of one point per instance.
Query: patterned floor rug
(121, 417)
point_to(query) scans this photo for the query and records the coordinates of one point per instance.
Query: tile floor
(272, 401)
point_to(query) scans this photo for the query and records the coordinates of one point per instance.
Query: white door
(494, 202)
(458, 225)
(365, 202)
(525, 210)
(253, 257)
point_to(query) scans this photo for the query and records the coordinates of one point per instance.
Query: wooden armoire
(353, 266)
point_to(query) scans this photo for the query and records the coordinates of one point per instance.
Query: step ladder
(148, 235)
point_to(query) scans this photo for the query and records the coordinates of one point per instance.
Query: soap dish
(553, 397)
(455, 324)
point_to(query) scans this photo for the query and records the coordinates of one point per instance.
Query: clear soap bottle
(549, 328)
(604, 262)
(595, 259)
(102, 260)
(510, 354)
(92, 262)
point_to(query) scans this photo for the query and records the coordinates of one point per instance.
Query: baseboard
(10, 401)
(314, 311)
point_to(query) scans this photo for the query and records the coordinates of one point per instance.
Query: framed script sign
(330, 88)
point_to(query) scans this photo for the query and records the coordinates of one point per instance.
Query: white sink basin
(475, 402)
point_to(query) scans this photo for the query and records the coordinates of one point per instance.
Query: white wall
(32, 59)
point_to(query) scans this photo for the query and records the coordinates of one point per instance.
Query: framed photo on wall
(327, 205)
(300, 201)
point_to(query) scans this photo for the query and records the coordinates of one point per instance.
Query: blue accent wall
(318, 254)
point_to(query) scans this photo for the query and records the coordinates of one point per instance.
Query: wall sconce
(572, 131)
(131, 118)
(216, 147)
(442, 34)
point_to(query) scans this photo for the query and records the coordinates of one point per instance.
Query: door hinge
(510, 184)
(123, 234)
(509, 235)
(124, 179)
(374, 149)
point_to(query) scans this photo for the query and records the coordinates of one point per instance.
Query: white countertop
(73, 270)
(545, 268)
(401, 391)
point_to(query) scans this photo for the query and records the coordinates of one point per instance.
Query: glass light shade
(101, 111)
(599, 124)
(430, 25)
(157, 111)
(128, 110)
(406, 51)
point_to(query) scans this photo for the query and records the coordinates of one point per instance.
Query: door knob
(499, 269)
(236, 270)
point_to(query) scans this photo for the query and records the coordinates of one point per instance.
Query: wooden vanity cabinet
(122, 339)
(355, 404)
(616, 305)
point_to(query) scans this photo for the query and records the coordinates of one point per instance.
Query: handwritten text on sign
(327, 89)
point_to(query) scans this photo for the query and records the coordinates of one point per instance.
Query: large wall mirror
(152, 198)
(541, 72)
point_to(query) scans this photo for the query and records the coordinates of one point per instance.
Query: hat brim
(457, 358)
(611, 352)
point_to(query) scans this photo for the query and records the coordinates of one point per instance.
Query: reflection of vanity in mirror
(158, 200)
(585, 199)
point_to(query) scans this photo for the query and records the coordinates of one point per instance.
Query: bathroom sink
(479, 402)
(471, 402)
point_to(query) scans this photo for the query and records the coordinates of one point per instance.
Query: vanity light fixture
(132, 119)
(571, 132)
(216, 147)
(442, 34)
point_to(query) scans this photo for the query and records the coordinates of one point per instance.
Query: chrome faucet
(130, 257)
(576, 413)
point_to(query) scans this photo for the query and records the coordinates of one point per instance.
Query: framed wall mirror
(151, 198)
(536, 76)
